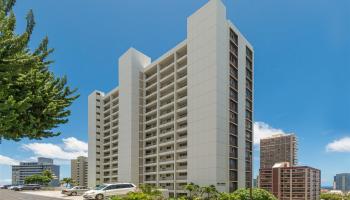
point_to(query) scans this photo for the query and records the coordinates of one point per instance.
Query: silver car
(76, 190)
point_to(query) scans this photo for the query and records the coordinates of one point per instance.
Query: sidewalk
(56, 194)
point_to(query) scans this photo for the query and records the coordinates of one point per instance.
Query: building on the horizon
(184, 117)
(342, 182)
(288, 182)
(79, 171)
(24, 169)
(278, 148)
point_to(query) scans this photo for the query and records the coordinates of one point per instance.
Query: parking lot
(35, 195)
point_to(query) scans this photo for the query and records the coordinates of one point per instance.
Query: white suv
(107, 190)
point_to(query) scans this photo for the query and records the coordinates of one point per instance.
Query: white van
(108, 190)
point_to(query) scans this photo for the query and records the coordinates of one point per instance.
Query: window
(233, 117)
(233, 59)
(233, 106)
(249, 94)
(249, 53)
(233, 129)
(234, 83)
(233, 48)
(249, 115)
(249, 84)
(234, 36)
(233, 71)
(249, 74)
(249, 105)
(233, 140)
(249, 64)
(233, 164)
(233, 94)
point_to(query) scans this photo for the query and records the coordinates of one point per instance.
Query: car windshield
(100, 187)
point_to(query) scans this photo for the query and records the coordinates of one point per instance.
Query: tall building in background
(278, 148)
(79, 170)
(342, 182)
(184, 117)
(24, 169)
(291, 182)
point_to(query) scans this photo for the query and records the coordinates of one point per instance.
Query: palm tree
(67, 181)
(210, 192)
(192, 189)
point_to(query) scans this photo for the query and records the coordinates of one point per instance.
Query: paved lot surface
(35, 195)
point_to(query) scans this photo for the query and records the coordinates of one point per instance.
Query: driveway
(35, 195)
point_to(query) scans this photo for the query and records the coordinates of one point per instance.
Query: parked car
(4, 186)
(27, 187)
(107, 190)
(12, 187)
(76, 190)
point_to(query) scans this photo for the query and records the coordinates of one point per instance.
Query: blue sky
(302, 66)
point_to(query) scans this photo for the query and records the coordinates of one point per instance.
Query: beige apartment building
(79, 171)
(184, 117)
(278, 148)
(291, 182)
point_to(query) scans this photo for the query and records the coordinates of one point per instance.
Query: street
(34, 195)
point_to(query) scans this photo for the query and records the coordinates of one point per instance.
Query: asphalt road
(13, 195)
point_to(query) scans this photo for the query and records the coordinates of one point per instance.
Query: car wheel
(74, 193)
(99, 197)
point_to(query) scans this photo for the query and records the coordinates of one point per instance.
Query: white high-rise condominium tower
(185, 117)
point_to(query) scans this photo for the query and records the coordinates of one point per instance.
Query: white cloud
(73, 144)
(70, 149)
(341, 145)
(263, 130)
(4, 160)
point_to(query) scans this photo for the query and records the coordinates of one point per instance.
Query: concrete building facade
(24, 169)
(342, 182)
(79, 171)
(291, 182)
(185, 117)
(278, 148)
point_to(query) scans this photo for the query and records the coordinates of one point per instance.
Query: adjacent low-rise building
(79, 171)
(288, 182)
(24, 169)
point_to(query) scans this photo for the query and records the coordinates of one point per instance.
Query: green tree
(150, 190)
(37, 179)
(258, 194)
(32, 100)
(48, 174)
(328, 196)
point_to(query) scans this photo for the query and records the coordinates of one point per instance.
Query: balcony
(150, 178)
(166, 139)
(166, 177)
(166, 131)
(150, 169)
(168, 167)
(181, 146)
(166, 121)
(165, 149)
(167, 186)
(181, 176)
(166, 158)
(181, 156)
(150, 151)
